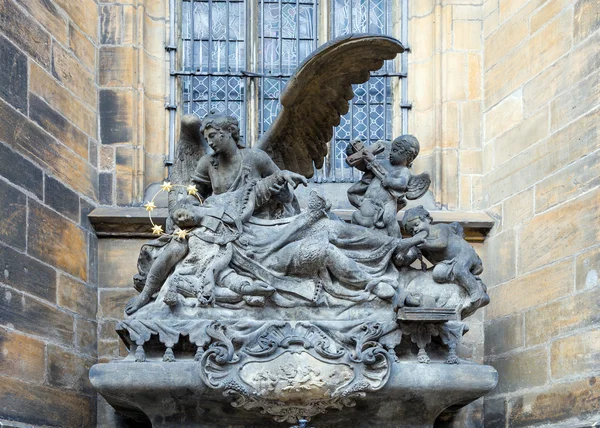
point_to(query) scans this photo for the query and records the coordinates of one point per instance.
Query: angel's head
(222, 132)
(416, 219)
(404, 150)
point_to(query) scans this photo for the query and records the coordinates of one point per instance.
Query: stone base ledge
(173, 395)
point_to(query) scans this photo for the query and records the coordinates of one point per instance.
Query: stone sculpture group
(294, 311)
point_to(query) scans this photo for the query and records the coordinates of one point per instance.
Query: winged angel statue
(245, 242)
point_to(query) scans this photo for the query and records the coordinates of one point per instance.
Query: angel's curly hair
(409, 146)
(225, 122)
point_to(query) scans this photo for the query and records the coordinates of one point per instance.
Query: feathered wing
(190, 148)
(317, 95)
(418, 186)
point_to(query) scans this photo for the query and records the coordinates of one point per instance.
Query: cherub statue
(453, 258)
(385, 186)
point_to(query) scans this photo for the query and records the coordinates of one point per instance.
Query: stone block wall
(133, 81)
(48, 185)
(541, 156)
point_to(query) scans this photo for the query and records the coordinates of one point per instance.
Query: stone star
(166, 186)
(157, 229)
(192, 190)
(181, 234)
(150, 206)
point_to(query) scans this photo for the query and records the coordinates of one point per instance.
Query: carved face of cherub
(187, 213)
(417, 225)
(398, 155)
(220, 140)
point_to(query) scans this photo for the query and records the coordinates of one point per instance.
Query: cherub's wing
(418, 186)
(457, 229)
(190, 148)
(317, 95)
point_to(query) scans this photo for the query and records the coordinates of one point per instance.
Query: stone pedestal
(174, 395)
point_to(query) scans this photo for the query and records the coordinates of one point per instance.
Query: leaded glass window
(236, 57)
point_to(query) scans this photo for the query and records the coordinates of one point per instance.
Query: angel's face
(398, 155)
(219, 140)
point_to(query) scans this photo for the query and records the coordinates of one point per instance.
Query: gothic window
(237, 56)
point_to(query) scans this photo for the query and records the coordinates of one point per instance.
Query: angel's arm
(201, 177)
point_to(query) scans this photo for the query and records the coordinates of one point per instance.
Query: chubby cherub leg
(174, 252)
(474, 286)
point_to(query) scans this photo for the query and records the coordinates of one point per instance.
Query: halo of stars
(150, 206)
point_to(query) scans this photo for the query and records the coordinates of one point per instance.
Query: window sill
(133, 222)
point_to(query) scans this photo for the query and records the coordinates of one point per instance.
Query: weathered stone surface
(13, 212)
(541, 236)
(46, 87)
(588, 269)
(510, 34)
(524, 369)
(111, 24)
(503, 335)
(22, 357)
(56, 241)
(117, 66)
(68, 370)
(539, 161)
(581, 62)
(113, 302)
(105, 185)
(494, 413)
(528, 59)
(19, 171)
(49, 16)
(570, 182)
(575, 354)
(563, 402)
(41, 405)
(92, 260)
(69, 71)
(84, 14)
(85, 208)
(579, 100)
(587, 18)
(13, 75)
(33, 317)
(500, 258)
(77, 297)
(27, 274)
(518, 208)
(562, 316)
(116, 116)
(546, 13)
(82, 47)
(25, 32)
(525, 291)
(57, 125)
(61, 198)
(467, 35)
(504, 116)
(525, 134)
(124, 161)
(86, 337)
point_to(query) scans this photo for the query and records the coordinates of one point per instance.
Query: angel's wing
(418, 186)
(190, 148)
(317, 95)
